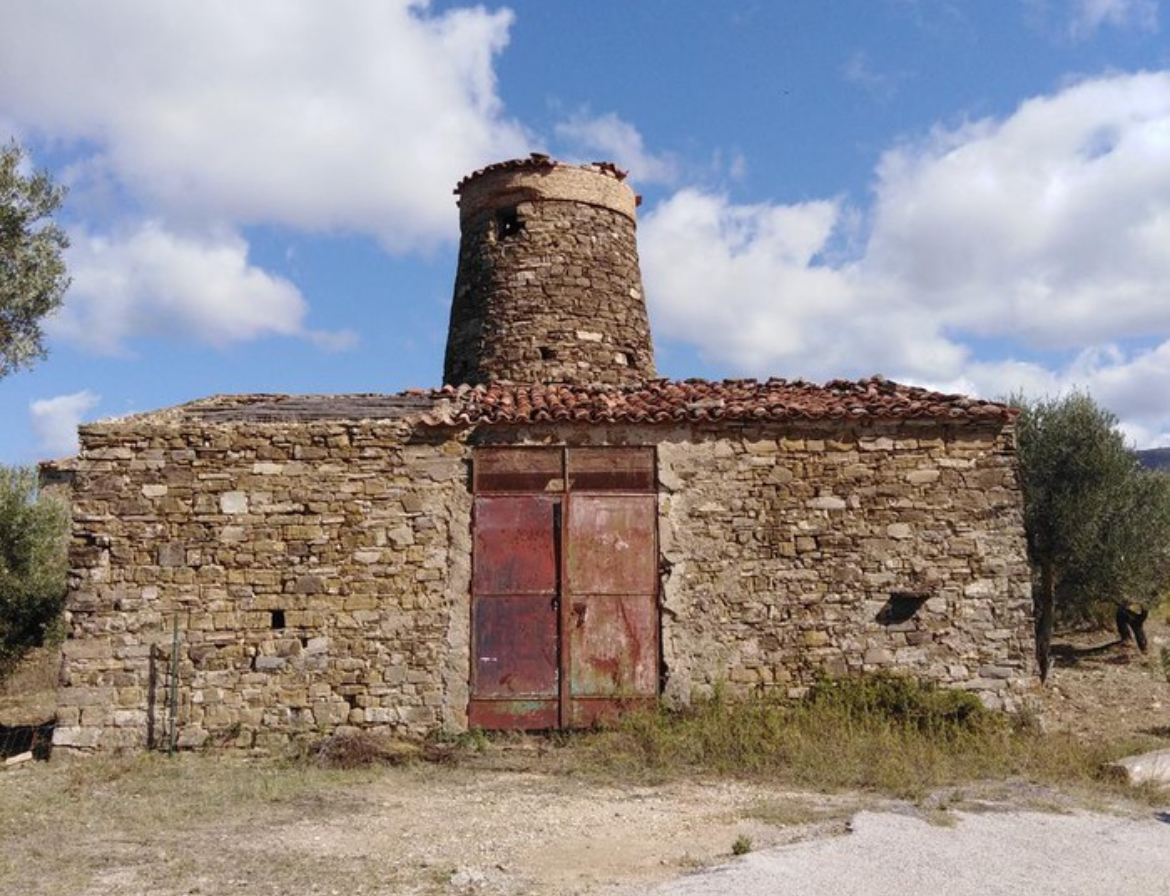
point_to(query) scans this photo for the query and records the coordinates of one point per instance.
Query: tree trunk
(1045, 605)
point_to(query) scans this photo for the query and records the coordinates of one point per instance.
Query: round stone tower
(548, 288)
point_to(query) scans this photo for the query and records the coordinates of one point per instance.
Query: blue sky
(972, 195)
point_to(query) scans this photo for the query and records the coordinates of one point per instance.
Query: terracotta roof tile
(666, 401)
(655, 402)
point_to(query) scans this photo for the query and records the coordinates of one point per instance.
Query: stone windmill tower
(548, 288)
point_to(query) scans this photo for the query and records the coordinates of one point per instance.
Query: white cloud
(55, 420)
(609, 138)
(1143, 437)
(1028, 239)
(1127, 382)
(752, 287)
(151, 282)
(205, 116)
(1050, 226)
(347, 115)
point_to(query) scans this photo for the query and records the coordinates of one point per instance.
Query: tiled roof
(655, 402)
(666, 401)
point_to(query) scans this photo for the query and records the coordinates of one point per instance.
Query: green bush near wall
(34, 535)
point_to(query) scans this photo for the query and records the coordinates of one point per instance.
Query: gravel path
(986, 854)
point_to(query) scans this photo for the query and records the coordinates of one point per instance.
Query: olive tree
(1097, 523)
(33, 544)
(33, 278)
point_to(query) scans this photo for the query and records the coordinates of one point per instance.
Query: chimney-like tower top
(540, 177)
(549, 287)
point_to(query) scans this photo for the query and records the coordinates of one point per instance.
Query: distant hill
(1155, 458)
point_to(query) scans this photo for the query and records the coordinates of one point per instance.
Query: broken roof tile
(666, 401)
(659, 402)
(537, 161)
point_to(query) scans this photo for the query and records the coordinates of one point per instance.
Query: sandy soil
(529, 833)
(1101, 688)
(414, 830)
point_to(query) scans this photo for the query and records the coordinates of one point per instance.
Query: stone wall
(318, 574)
(548, 287)
(320, 571)
(838, 550)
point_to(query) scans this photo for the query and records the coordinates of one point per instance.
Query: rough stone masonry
(316, 554)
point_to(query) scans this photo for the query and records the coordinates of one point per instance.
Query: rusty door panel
(518, 470)
(592, 712)
(610, 616)
(564, 586)
(515, 646)
(515, 675)
(515, 571)
(614, 644)
(611, 469)
(514, 715)
(515, 545)
(611, 547)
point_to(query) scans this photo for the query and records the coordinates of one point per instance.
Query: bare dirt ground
(165, 827)
(1100, 688)
(511, 822)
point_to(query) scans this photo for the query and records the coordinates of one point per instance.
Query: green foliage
(742, 846)
(903, 701)
(1097, 522)
(33, 542)
(33, 278)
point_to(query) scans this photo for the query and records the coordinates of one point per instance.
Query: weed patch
(888, 734)
(359, 749)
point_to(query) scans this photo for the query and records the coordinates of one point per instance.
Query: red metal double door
(564, 586)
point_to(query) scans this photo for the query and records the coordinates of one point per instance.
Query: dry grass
(361, 750)
(28, 695)
(795, 811)
(218, 823)
(892, 736)
(69, 826)
(212, 823)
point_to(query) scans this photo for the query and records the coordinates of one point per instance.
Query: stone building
(553, 536)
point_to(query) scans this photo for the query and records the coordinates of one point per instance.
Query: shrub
(904, 701)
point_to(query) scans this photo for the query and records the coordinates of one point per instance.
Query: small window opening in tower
(508, 223)
(547, 353)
